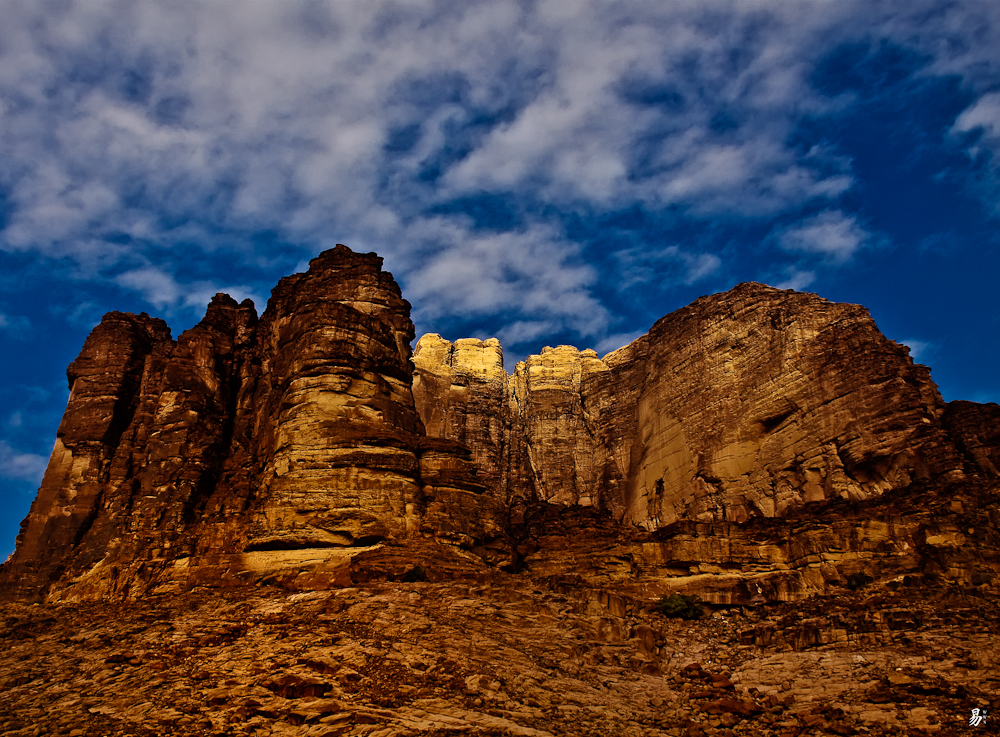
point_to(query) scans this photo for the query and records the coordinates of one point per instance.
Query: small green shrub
(858, 580)
(682, 606)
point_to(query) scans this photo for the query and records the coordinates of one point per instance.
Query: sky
(545, 172)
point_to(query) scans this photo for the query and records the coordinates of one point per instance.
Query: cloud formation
(16, 326)
(831, 234)
(160, 289)
(141, 140)
(919, 349)
(21, 466)
(539, 170)
(980, 126)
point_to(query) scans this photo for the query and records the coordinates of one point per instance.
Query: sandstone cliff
(243, 447)
(285, 526)
(307, 448)
(744, 404)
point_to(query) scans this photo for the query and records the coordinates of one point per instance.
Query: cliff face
(308, 448)
(744, 404)
(760, 400)
(483, 551)
(976, 430)
(244, 448)
(143, 438)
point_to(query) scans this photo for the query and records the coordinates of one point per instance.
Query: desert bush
(682, 606)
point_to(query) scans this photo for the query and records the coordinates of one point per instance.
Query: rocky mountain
(744, 404)
(244, 445)
(767, 451)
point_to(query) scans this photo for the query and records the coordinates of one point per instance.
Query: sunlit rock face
(527, 432)
(460, 391)
(743, 404)
(295, 447)
(244, 448)
(330, 409)
(760, 400)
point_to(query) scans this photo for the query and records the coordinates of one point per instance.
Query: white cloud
(525, 331)
(697, 266)
(156, 286)
(15, 420)
(797, 279)
(641, 265)
(619, 340)
(530, 277)
(918, 348)
(16, 326)
(832, 234)
(242, 122)
(350, 122)
(983, 117)
(21, 466)
(163, 291)
(983, 114)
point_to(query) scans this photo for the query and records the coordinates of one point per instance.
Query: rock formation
(286, 526)
(178, 463)
(306, 447)
(976, 430)
(748, 403)
(507, 656)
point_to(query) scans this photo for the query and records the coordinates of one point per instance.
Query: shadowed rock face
(744, 404)
(976, 430)
(141, 443)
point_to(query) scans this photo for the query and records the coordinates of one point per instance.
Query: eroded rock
(745, 404)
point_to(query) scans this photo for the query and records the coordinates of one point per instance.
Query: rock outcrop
(286, 526)
(744, 404)
(244, 448)
(976, 430)
(506, 655)
(143, 438)
(307, 448)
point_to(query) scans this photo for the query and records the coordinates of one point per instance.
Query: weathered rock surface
(744, 404)
(976, 430)
(285, 527)
(244, 448)
(503, 655)
(459, 390)
(142, 440)
(301, 447)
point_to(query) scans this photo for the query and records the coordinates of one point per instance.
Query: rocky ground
(501, 654)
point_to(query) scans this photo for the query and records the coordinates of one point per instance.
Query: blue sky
(545, 172)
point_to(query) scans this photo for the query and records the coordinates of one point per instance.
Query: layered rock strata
(744, 404)
(505, 655)
(292, 447)
(976, 430)
(244, 447)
